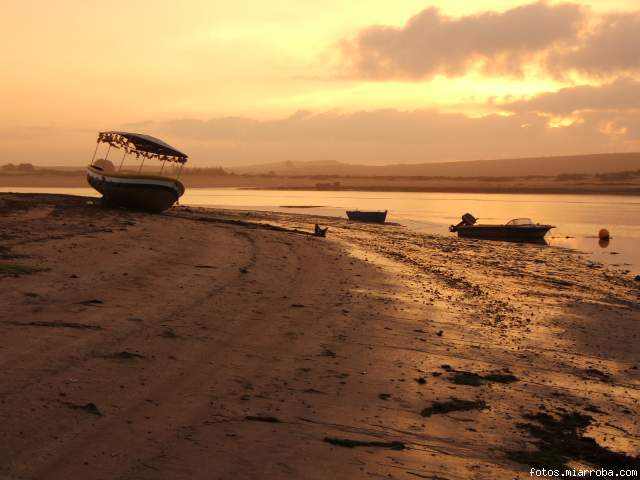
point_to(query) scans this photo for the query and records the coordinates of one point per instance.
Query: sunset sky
(365, 82)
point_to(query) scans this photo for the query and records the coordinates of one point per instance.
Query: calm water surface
(578, 218)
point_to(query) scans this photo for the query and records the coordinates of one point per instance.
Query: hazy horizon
(257, 83)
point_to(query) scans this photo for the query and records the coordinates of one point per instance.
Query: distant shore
(225, 343)
(444, 188)
(506, 185)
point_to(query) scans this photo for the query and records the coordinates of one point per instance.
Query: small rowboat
(518, 229)
(136, 190)
(368, 217)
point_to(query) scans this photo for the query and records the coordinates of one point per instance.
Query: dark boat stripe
(112, 184)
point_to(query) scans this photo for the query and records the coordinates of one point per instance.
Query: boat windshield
(520, 222)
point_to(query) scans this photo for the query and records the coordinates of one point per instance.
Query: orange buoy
(603, 234)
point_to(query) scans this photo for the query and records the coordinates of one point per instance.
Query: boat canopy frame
(141, 145)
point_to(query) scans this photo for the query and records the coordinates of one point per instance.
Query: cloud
(46, 145)
(559, 39)
(431, 43)
(366, 137)
(620, 95)
(611, 47)
(394, 136)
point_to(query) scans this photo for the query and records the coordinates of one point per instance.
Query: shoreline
(515, 191)
(365, 184)
(228, 342)
(507, 191)
(623, 255)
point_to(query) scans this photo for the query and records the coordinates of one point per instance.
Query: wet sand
(205, 344)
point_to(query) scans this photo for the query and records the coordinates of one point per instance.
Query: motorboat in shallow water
(136, 190)
(368, 217)
(518, 229)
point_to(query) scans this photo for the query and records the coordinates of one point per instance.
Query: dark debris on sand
(88, 408)
(561, 439)
(15, 270)
(453, 405)
(168, 332)
(125, 355)
(53, 324)
(598, 374)
(91, 302)
(460, 377)
(349, 443)
(262, 418)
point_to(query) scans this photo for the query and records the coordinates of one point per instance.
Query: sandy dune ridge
(225, 344)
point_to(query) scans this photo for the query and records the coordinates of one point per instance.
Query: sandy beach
(214, 344)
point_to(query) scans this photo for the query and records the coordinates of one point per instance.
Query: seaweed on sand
(349, 443)
(14, 269)
(500, 377)
(453, 405)
(475, 380)
(263, 418)
(56, 324)
(88, 408)
(560, 440)
(467, 378)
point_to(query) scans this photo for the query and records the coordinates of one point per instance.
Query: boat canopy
(142, 145)
(520, 222)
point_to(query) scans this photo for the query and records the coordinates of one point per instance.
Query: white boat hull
(136, 191)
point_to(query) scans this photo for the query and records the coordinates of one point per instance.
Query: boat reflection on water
(533, 241)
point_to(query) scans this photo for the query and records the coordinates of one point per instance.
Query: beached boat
(369, 217)
(152, 192)
(518, 229)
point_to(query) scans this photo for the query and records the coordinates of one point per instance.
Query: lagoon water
(578, 218)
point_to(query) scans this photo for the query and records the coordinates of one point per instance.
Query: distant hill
(547, 166)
